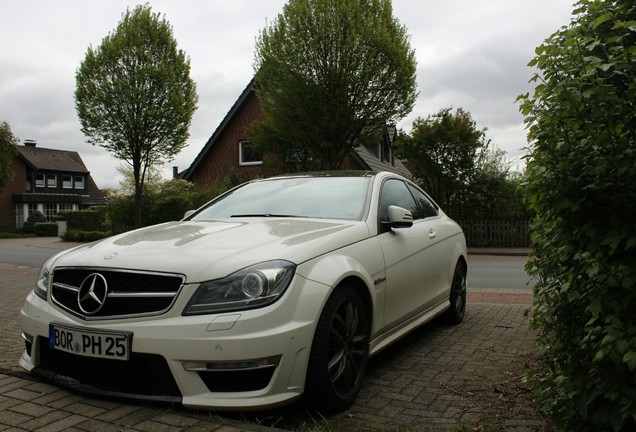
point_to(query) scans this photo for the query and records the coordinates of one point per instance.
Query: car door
(413, 268)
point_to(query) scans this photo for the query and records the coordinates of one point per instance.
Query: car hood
(214, 249)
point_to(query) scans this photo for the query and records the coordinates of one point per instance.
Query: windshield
(311, 197)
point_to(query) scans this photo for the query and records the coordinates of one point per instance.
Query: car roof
(332, 173)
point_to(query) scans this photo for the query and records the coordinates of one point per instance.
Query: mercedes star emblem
(92, 294)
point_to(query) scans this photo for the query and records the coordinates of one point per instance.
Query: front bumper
(249, 359)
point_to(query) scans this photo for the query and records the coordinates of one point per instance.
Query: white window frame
(78, 181)
(50, 211)
(246, 163)
(67, 181)
(40, 180)
(51, 181)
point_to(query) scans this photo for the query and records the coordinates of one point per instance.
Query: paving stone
(435, 379)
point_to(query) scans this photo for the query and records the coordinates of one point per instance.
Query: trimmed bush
(34, 217)
(84, 236)
(91, 219)
(45, 229)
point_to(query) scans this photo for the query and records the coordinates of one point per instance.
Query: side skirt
(386, 339)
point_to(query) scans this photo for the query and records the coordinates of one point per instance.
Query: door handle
(432, 234)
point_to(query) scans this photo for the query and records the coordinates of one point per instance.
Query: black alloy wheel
(455, 314)
(339, 353)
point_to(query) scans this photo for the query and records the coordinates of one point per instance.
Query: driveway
(439, 378)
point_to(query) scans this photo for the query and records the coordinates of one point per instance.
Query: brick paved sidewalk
(435, 379)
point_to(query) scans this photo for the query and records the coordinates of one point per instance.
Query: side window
(426, 208)
(395, 192)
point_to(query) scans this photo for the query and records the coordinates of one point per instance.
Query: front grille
(126, 293)
(144, 375)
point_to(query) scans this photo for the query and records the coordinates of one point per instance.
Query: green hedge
(91, 219)
(581, 186)
(45, 229)
(84, 236)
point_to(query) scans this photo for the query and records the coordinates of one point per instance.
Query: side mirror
(188, 214)
(399, 217)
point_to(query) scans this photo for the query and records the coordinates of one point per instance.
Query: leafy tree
(443, 150)
(134, 94)
(581, 184)
(152, 181)
(8, 151)
(493, 190)
(330, 75)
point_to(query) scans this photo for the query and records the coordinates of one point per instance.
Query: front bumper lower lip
(74, 384)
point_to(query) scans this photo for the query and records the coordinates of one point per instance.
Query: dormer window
(67, 182)
(39, 180)
(79, 182)
(51, 181)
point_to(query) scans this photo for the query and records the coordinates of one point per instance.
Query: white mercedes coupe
(276, 289)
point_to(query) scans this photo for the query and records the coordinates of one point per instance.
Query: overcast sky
(470, 54)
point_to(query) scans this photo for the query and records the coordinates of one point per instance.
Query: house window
(19, 215)
(248, 155)
(67, 182)
(79, 182)
(39, 180)
(32, 208)
(51, 180)
(50, 210)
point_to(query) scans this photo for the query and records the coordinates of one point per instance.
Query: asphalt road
(13, 253)
(498, 272)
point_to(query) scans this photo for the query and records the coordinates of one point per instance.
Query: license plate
(90, 343)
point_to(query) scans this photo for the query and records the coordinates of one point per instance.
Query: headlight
(43, 283)
(252, 287)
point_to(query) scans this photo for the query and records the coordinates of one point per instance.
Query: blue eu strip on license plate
(90, 343)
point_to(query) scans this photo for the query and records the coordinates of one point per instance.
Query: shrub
(34, 217)
(80, 236)
(45, 229)
(581, 183)
(91, 219)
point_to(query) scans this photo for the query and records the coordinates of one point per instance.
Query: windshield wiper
(262, 215)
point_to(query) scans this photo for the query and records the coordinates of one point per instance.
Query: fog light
(262, 363)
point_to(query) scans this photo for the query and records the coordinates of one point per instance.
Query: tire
(339, 352)
(455, 314)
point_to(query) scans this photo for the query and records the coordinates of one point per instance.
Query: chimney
(175, 172)
(30, 143)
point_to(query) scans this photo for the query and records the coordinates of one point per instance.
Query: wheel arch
(363, 291)
(464, 262)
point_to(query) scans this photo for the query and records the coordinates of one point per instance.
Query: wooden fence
(496, 233)
(121, 228)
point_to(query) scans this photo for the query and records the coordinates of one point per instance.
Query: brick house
(227, 153)
(49, 181)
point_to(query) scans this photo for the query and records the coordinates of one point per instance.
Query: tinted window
(426, 208)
